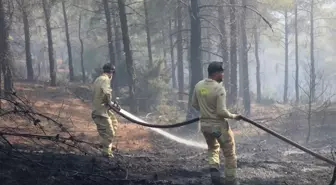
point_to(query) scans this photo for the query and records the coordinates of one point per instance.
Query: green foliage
(96, 72)
(168, 113)
(121, 73)
(152, 86)
(92, 59)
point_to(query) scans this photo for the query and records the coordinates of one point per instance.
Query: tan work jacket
(209, 97)
(101, 96)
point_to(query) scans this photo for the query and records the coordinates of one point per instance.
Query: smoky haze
(280, 68)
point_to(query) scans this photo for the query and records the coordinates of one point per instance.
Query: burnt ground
(144, 157)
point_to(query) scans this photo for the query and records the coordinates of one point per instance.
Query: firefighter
(102, 116)
(209, 97)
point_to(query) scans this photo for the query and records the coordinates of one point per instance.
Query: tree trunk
(149, 45)
(109, 31)
(82, 48)
(241, 54)
(186, 39)
(296, 55)
(7, 71)
(224, 46)
(209, 48)
(233, 55)
(1, 60)
(3, 38)
(245, 81)
(312, 50)
(52, 64)
(1, 63)
(256, 53)
(128, 53)
(119, 56)
(5, 53)
(195, 47)
(188, 57)
(118, 48)
(164, 47)
(71, 70)
(29, 61)
(309, 116)
(285, 96)
(110, 38)
(179, 41)
(172, 55)
(195, 56)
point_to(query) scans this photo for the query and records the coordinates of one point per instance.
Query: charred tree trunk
(172, 55)
(296, 55)
(118, 49)
(224, 46)
(128, 53)
(256, 53)
(5, 53)
(195, 47)
(109, 31)
(232, 100)
(1, 58)
(245, 71)
(312, 56)
(29, 60)
(52, 64)
(179, 41)
(195, 54)
(285, 96)
(1, 63)
(81, 48)
(149, 45)
(71, 70)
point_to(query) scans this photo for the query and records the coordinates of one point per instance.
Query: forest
(279, 69)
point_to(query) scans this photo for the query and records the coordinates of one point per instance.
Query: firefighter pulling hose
(125, 114)
(209, 98)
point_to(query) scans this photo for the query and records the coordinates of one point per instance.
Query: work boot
(107, 152)
(215, 176)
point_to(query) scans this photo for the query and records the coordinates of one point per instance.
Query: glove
(115, 105)
(237, 117)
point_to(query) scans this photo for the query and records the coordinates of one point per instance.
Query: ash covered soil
(145, 157)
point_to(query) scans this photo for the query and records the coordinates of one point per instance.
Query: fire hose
(116, 108)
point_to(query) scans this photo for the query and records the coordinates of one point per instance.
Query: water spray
(168, 135)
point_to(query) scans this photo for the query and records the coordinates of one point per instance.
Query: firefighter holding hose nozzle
(209, 97)
(104, 119)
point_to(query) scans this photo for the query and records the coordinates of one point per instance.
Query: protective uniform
(104, 119)
(210, 98)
